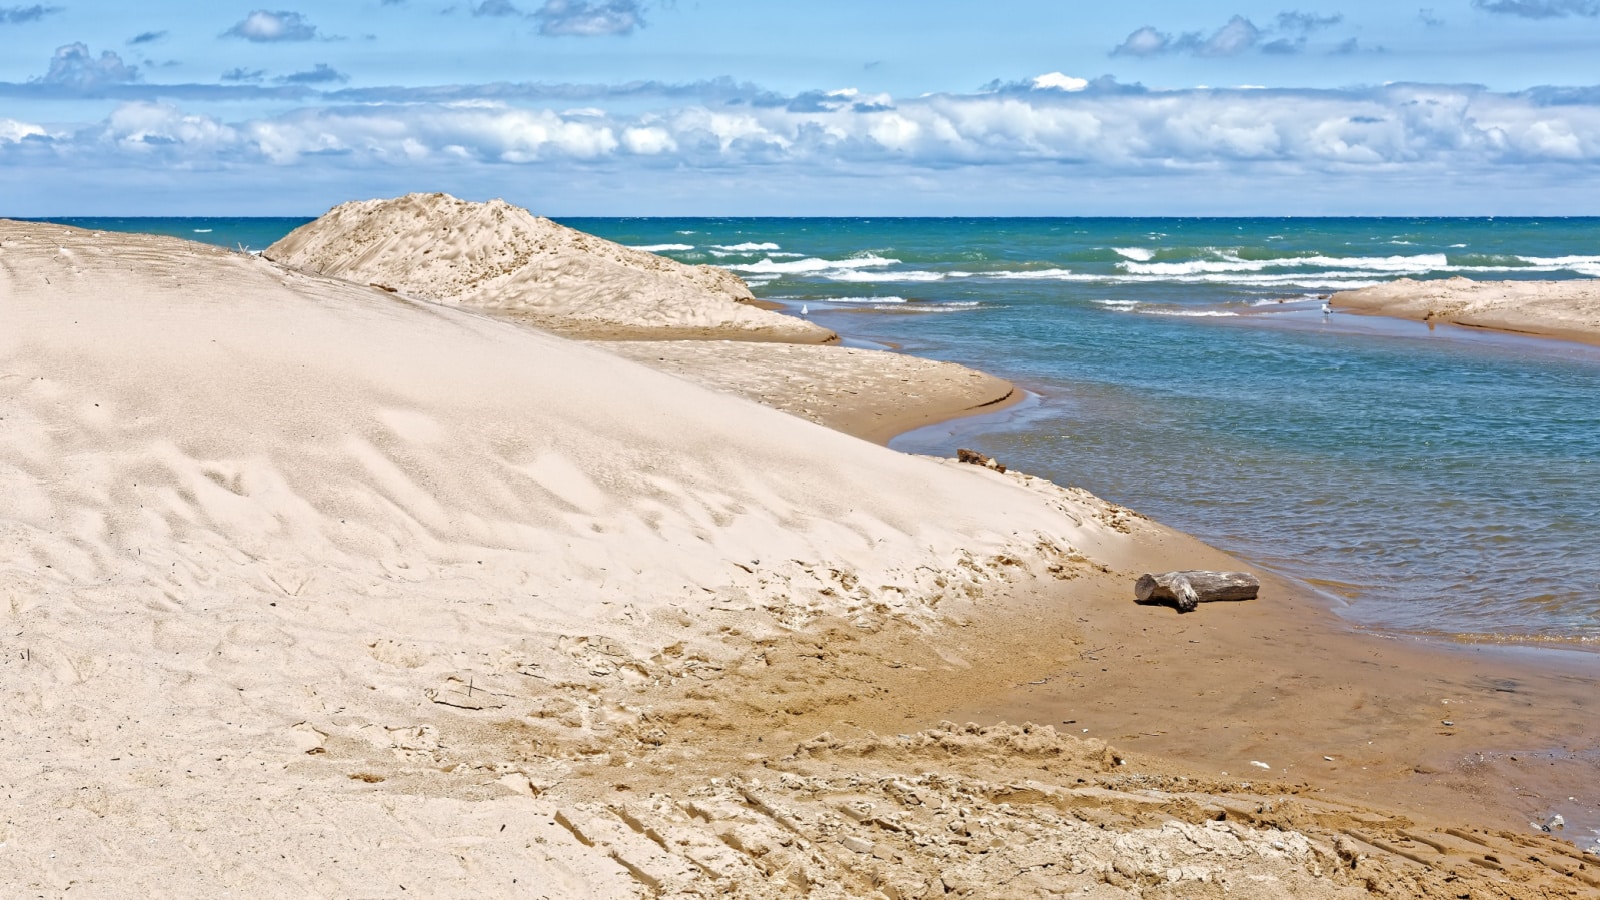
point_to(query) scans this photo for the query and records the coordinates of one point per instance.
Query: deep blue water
(1434, 480)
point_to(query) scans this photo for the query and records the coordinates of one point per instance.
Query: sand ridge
(501, 257)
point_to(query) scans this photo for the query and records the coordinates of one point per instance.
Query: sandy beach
(328, 576)
(872, 394)
(1569, 310)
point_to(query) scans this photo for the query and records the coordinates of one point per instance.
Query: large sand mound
(500, 257)
(243, 509)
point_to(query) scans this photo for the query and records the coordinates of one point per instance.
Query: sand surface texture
(871, 394)
(500, 257)
(1564, 309)
(313, 590)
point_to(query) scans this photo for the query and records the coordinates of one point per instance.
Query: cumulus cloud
(589, 18)
(1232, 39)
(1540, 9)
(16, 15)
(1288, 35)
(1399, 127)
(15, 132)
(1307, 22)
(1056, 81)
(263, 26)
(1146, 41)
(321, 73)
(74, 66)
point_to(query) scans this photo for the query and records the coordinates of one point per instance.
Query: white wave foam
(962, 306)
(771, 254)
(913, 276)
(658, 248)
(1134, 306)
(1041, 275)
(860, 300)
(1399, 265)
(747, 247)
(813, 265)
(1189, 313)
(1137, 254)
(1583, 265)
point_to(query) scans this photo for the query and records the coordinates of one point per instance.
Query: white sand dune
(248, 513)
(500, 257)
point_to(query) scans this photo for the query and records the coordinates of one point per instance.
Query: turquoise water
(1429, 480)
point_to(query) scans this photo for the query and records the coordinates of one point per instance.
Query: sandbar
(1568, 310)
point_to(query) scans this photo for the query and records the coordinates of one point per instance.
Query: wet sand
(1443, 731)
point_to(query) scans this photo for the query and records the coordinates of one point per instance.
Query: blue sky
(712, 107)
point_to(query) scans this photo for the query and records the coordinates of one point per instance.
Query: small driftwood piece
(1187, 589)
(973, 457)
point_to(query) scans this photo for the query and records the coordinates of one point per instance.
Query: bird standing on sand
(1327, 308)
(805, 310)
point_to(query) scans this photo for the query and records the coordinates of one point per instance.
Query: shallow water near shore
(1430, 480)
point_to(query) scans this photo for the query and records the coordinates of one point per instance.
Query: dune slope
(242, 508)
(500, 257)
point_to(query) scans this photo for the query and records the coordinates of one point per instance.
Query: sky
(736, 107)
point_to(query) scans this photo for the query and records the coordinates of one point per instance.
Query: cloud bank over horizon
(279, 97)
(1101, 129)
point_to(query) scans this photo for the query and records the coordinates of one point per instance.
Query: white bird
(1327, 308)
(805, 310)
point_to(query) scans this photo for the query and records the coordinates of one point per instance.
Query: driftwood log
(1186, 589)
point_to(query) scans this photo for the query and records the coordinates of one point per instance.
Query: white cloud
(140, 126)
(1458, 135)
(75, 66)
(12, 131)
(1146, 41)
(1232, 39)
(1056, 81)
(264, 26)
(649, 141)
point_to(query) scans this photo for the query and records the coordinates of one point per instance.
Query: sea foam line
(813, 265)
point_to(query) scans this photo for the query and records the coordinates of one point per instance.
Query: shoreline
(1426, 766)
